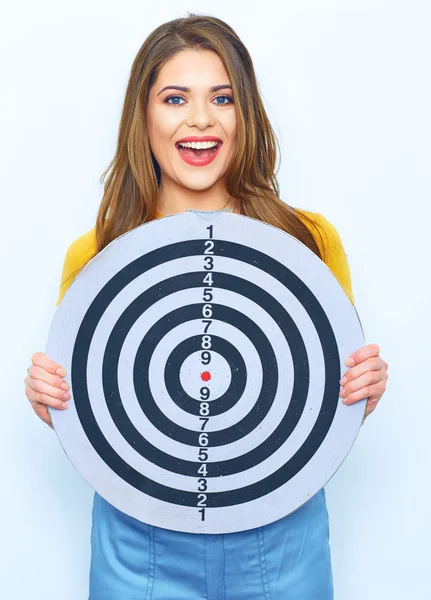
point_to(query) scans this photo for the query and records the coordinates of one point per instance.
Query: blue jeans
(285, 560)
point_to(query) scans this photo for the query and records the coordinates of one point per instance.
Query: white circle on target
(195, 374)
(204, 352)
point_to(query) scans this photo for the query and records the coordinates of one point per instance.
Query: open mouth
(198, 153)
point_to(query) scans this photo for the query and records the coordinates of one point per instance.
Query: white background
(347, 88)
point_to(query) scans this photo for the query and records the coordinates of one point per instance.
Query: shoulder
(330, 245)
(327, 238)
(317, 220)
(80, 251)
(83, 245)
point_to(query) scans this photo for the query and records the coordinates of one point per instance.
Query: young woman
(193, 79)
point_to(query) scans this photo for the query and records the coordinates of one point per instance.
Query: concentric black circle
(182, 351)
(142, 363)
(330, 353)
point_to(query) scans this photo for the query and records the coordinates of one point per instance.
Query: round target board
(204, 352)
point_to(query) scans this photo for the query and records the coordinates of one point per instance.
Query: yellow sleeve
(77, 256)
(333, 252)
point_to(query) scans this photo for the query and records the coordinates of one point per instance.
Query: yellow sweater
(84, 248)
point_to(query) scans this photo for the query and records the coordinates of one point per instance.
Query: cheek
(161, 131)
(230, 127)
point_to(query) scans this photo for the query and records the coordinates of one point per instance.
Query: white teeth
(198, 145)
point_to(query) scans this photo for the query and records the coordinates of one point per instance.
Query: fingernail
(65, 405)
(61, 372)
(350, 361)
(343, 381)
(65, 385)
(66, 396)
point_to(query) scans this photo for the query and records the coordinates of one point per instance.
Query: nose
(200, 115)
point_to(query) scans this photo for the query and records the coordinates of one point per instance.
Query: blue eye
(226, 98)
(171, 98)
(181, 98)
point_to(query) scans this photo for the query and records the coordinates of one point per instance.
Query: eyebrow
(181, 88)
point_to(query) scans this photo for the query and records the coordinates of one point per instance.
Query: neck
(175, 199)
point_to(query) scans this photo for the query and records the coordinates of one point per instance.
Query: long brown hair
(131, 190)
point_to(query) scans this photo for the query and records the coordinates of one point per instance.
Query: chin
(198, 184)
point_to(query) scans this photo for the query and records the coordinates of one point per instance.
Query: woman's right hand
(45, 386)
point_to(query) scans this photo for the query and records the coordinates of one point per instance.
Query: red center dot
(206, 376)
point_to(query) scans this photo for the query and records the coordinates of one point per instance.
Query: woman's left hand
(366, 378)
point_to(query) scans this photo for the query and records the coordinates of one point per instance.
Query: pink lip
(197, 138)
(195, 161)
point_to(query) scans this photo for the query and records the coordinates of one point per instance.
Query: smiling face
(201, 113)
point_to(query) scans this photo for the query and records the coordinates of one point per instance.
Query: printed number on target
(204, 352)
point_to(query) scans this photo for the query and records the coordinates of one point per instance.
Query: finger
(40, 373)
(362, 354)
(41, 360)
(372, 393)
(370, 364)
(46, 394)
(364, 380)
